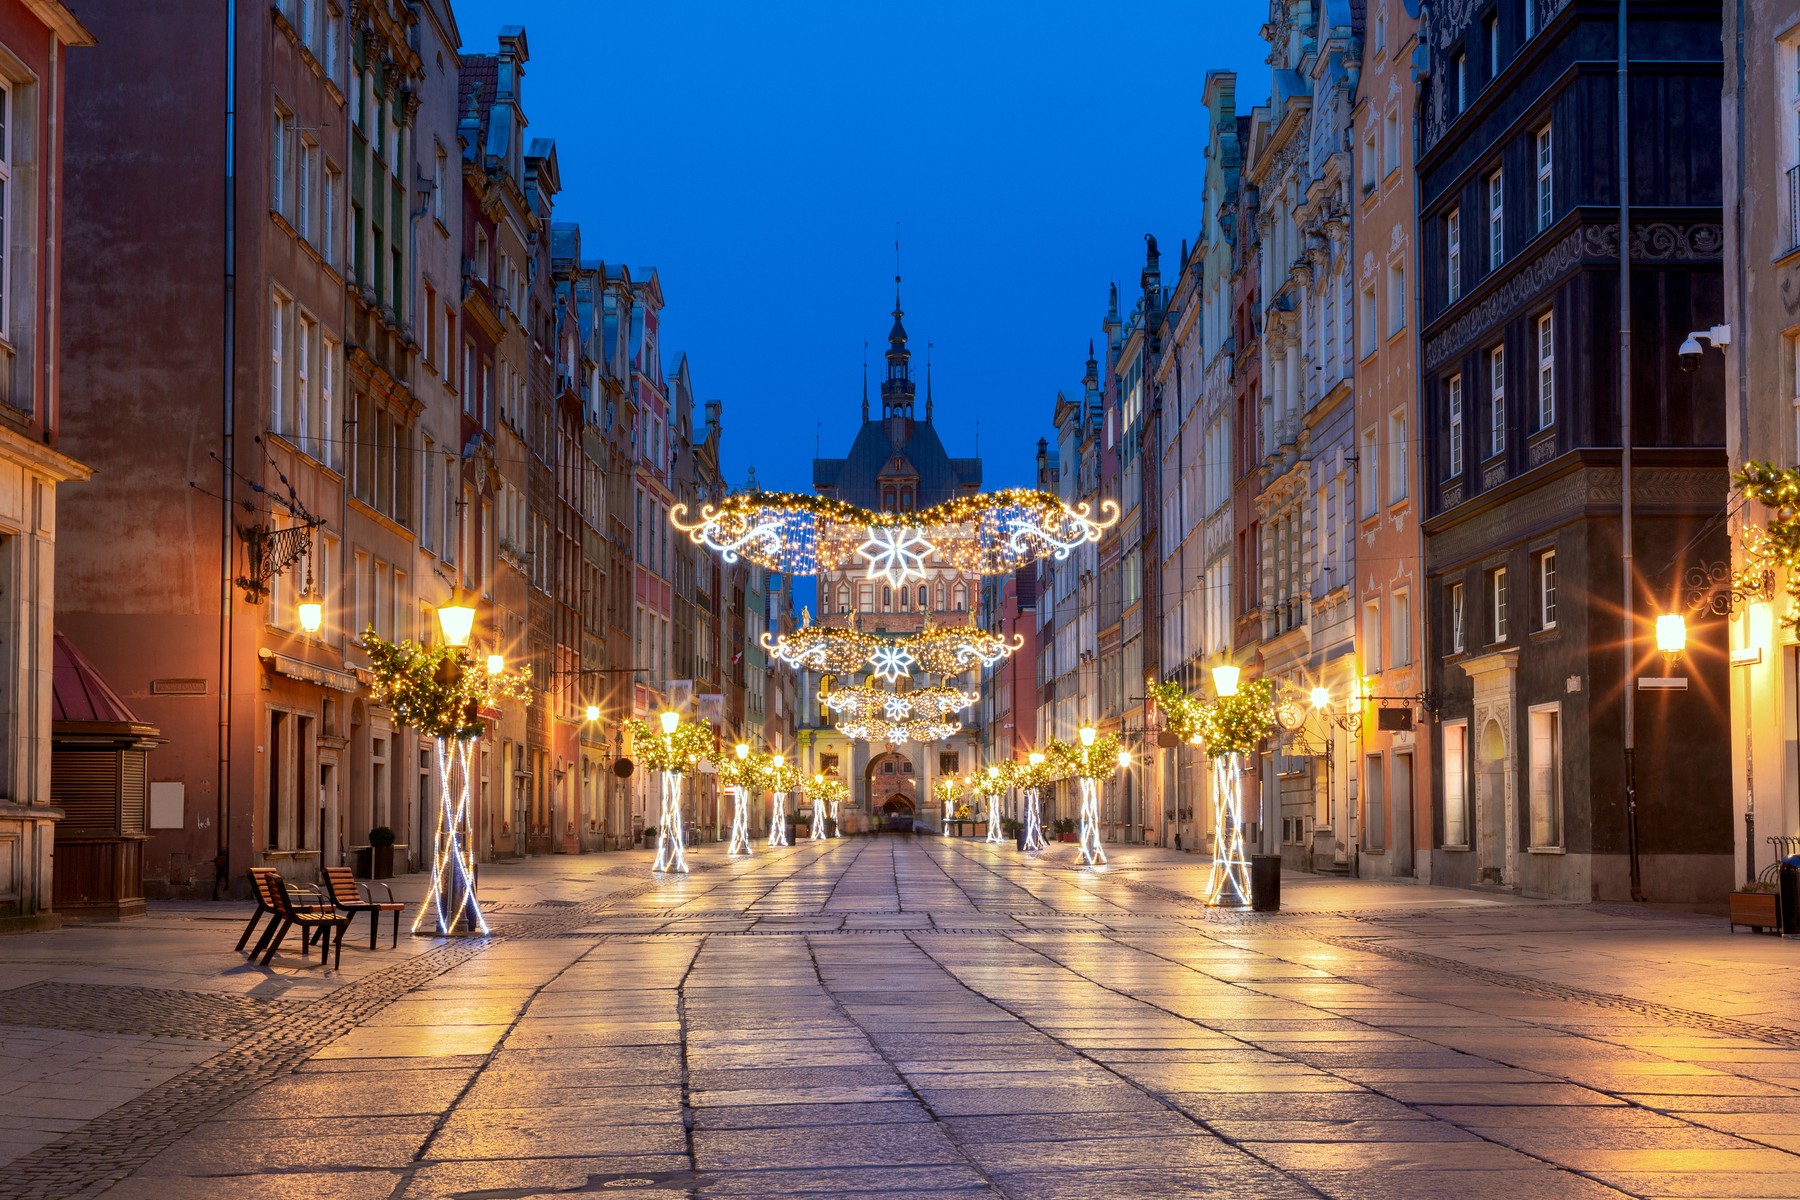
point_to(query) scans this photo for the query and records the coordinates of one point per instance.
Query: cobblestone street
(899, 1017)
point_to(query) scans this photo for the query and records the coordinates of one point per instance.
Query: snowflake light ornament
(896, 708)
(890, 663)
(896, 553)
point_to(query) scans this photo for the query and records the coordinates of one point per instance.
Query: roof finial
(928, 346)
(896, 267)
(865, 380)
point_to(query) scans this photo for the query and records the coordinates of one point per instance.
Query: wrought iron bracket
(1715, 588)
(270, 552)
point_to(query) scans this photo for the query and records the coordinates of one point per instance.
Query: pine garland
(828, 791)
(1238, 724)
(1776, 544)
(1099, 761)
(438, 690)
(680, 751)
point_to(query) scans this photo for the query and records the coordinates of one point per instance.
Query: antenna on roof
(977, 437)
(818, 431)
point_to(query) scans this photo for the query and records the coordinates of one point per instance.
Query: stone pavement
(900, 1017)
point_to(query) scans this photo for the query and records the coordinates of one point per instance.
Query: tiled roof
(78, 692)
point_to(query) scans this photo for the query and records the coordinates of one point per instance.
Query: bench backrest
(263, 880)
(340, 885)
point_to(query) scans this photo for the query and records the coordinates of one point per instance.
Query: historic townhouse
(572, 373)
(34, 64)
(1241, 288)
(1393, 738)
(1519, 258)
(1762, 389)
(1317, 472)
(655, 540)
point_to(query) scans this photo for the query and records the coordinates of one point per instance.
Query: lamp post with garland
(1093, 758)
(674, 749)
(743, 774)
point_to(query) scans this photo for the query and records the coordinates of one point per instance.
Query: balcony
(1793, 210)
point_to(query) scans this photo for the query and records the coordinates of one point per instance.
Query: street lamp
(1321, 698)
(592, 713)
(993, 803)
(496, 663)
(1671, 635)
(311, 609)
(456, 619)
(1225, 680)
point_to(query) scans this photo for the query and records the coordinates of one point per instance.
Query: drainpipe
(1742, 363)
(1629, 581)
(227, 469)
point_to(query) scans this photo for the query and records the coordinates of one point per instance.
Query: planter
(1065, 837)
(1758, 910)
(384, 862)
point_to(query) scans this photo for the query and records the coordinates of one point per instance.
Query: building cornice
(62, 22)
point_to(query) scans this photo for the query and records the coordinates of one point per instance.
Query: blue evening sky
(759, 154)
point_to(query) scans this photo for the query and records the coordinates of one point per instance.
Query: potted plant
(1756, 905)
(1009, 827)
(1065, 829)
(381, 845)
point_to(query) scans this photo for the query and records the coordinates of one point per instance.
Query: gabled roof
(854, 478)
(78, 692)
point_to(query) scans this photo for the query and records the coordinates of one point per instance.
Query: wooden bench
(346, 895)
(314, 916)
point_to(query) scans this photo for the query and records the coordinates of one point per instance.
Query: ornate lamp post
(992, 786)
(674, 749)
(782, 779)
(435, 692)
(741, 774)
(1031, 779)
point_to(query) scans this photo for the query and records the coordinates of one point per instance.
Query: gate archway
(893, 789)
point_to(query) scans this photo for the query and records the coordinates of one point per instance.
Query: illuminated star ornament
(896, 553)
(890, 663)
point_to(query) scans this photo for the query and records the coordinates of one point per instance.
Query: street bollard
(1265, 882)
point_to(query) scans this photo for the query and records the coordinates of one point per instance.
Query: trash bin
(1019, 836)
(1787, 905)
(1265, 882)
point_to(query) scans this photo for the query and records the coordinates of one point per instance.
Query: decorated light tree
(742, 772)
(948, 791)
(440, 691)
(827, 793)
(1231, 727)
(780, 777)
(994, 782)
(1031, 777)
(1091, 759)
(674, 749)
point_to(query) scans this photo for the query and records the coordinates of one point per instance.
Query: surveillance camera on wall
(1690, 353)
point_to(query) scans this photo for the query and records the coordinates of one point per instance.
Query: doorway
(1490, 806)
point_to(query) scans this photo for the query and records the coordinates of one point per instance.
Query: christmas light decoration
(875, 729)
(1031, 778)
(675, 750)
(1230, 727)
(953, 650)
(922, 704)
(1228, 883)
(438, 692)
(822, 647)
(948, 791)
(896, 554)
(743, 774)
(1095, 758)
(890, 662)
(828, 792)
(780, 777)
(1775, 545)
(987, 534)
(994, 784)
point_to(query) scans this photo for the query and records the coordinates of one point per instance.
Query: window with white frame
(279, 316)
(440, 184)
(1396, 298)
(1459, 76)
(327, 448)
(1496, 193)
(1492, 29)
(1367, 469)
(1396, 456)
(1456, 800)
(1453, 601)
(1370, 337)
(1372, 637)
(1497, 400)
(330, 232)
(1545, 756)
(1546, 581)
(1497, 602)
(1530, 7)
(1400, 620)
(1453, 394)
(1371, 162)
(1546, 194)
(1546, 370)
(306, 342)
(1453, 254)
(281, 161)
(305, 206)
(1390, 129)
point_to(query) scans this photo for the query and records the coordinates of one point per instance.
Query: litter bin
(1019, 836)
(1788, 903)
(1265, 882)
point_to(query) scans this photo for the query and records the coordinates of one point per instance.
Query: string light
(890, 662)
(780, 777)
(874, 729)
(988, 534)
(944, 652)
(923, 704)
(675, 749)
(828, 792)
(743, 774)
(1091, 761)
(1031, 778)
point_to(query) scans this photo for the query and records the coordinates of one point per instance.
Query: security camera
(1690, 354)
(1719, 336)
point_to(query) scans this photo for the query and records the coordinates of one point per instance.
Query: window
(1453, 254)
(1366, 469)
(1493, 47)
(327, 432)
(1371, 164)
(1546, 351)
(1400, 639)
(304, 345)
(1530, 7)
(1454, 602)
(329, 232)
(1396, 298)
(923, 604)
(278, 399)
(281, 161)
(1369, 341)
(1497, 598)
(1390, 129)
(1496, 220)
(481, 255)
(1497, 400)
(1546, 776)
(305, 206)
(1546, 573)
(1456, 802)
(1545, 192)
(439, 183)
(334, 22)
(1380, 29)
(1453, 389)
(1459, 76)
(1372, 637)
(1396, 457)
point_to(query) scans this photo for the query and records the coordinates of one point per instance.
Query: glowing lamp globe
(743, 751)
(1124, 759)
(1087, 735)
(1671, 634)
(1225, 680)
(993, 772)
(592, 712)
(669, 721)
(1321, 698)
(1037, 760)
(456, 619)
(496, 663)
(311, 612)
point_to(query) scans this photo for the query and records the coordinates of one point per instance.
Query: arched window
(844, 597)
(887, 599)
(960, 598)
(923, 603)
(905, 596)
(942, 602)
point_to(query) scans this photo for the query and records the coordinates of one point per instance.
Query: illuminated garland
(874, 729)
(679, 752)
(1073, 760)
(941, 652)
(750, 773)
(986, 534)
(438, 690)
(827, 791)
(823, 648)
(1776, 544)
(949, 790)
(951, 651)
(779, 775)
(1181, 713)
(925, 704)
(1031, 776)
(1238, 724)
